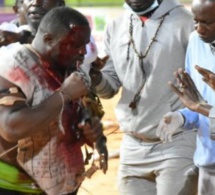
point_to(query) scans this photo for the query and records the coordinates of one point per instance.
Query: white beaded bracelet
(60, 116)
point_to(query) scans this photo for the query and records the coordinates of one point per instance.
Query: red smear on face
(72, 47)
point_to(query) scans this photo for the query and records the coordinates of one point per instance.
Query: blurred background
(8, 3)
(98, 13)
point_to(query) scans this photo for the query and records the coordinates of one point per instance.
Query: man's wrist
(203, 108)
(66, 97)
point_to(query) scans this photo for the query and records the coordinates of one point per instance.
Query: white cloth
(9, 27)
(90, 56)
(92, 52)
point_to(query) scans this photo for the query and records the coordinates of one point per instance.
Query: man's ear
(48, 39)
(49, 43)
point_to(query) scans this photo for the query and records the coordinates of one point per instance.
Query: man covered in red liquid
(41, 112)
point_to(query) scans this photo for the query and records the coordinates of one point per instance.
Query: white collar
(153, 6)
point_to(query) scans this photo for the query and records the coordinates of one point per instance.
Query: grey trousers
(206, 181)
(157, 169)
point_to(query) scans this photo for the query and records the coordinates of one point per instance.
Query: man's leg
(173, 180)
(142, 163)
(206, 182)
(134, 173)
(172, 173)
(136, 186)
(192, 180)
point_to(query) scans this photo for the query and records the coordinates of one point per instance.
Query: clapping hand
(208, 76)
(187, 90)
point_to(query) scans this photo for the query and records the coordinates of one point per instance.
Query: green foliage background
(84, 3)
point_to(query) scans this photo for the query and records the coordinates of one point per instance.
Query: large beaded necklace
(141, 56)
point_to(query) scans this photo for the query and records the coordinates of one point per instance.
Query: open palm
(207, 76)
(187, 92)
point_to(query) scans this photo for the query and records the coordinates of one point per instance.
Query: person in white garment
(198, 96)
(145, 45)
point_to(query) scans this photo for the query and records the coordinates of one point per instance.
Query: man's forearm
(203, 108)
(26, 121)
(190, 118)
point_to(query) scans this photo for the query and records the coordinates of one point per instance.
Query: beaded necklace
(141, 57)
